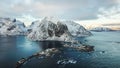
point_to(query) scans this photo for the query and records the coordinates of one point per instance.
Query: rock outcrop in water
(66, 61)
(82, 48)
(48, 30)
(10, 26)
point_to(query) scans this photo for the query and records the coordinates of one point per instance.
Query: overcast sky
(65, 9)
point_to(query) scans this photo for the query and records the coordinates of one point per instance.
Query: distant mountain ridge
(101, 29)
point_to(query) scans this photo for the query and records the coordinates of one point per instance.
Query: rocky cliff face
(11, 27)
(49, 30)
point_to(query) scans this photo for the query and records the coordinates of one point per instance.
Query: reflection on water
(50, 44)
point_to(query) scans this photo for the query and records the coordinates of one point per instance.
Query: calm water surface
(106, 54)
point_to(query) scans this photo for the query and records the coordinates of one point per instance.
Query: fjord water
(13, 48)
(106, 54)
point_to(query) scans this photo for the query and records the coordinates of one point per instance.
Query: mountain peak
(52, 19)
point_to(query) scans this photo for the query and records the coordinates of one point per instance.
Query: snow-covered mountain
(100, 29)
(49, 30)
(9, 26)
(76, 29)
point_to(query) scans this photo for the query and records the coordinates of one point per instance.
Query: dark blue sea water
(106, 54)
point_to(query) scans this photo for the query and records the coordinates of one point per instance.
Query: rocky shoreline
(46, 53)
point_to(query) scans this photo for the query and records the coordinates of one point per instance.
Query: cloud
(68, 9)
(110, 13)
(105, 16)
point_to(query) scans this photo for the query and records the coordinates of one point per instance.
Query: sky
(63, 9)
